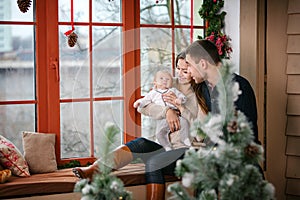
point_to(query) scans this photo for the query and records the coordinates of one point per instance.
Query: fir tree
(228, 168)
(104, 185)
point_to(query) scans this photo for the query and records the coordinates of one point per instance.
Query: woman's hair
(197, 87)
(204, 49)
(180, 56)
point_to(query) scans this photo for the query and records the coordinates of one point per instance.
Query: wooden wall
(293, 101)
(271, 37)
(276, 96)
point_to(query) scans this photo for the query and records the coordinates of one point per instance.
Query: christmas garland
(211, 12)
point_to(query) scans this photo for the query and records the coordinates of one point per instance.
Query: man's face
(196, 71)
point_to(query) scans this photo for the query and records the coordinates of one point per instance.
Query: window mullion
(41, 67)
(131, 67)
(47, 73)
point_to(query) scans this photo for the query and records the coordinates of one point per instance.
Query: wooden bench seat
(63, 181)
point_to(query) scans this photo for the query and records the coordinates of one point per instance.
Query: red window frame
(47, 73)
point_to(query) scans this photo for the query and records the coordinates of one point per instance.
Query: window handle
(54, 65)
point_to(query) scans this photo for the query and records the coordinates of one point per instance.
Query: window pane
(197, 19)
(80, 10)
(154, 13)
(14, 120)
(9, 11)
(107, 111)
(156, 54)
(74, 65)
(182, 12)
(75, 131)
(107, 11)
(198, 32)
(16, 64)
(148, 127)
(107, 61)
(182, 39)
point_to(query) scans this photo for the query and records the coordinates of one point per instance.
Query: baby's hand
(136, 104)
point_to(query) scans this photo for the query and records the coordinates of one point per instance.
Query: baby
(163, 84)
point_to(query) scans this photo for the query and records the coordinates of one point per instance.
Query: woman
(159, 162)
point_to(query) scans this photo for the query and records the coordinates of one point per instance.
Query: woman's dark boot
(155, 191)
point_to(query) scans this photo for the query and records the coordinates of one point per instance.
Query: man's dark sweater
(246, 102)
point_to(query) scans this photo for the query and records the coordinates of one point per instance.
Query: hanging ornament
(232, 126)
(24, 5)
(72, 39)
(252, 150)
(72, 36)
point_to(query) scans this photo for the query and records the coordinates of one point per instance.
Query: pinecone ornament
(232, 127)
(72, 39)
(252, 150)
(24, 5)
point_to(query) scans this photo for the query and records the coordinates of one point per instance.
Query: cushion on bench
(60, 181)
(63, 181)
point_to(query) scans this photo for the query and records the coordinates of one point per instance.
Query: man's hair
(203, 49)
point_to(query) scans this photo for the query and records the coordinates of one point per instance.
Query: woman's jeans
(158, 161)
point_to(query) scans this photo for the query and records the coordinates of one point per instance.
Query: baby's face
(163, 80)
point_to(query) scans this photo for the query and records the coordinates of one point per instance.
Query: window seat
(63, 181)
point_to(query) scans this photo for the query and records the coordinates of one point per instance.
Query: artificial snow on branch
(104, 185)
(228, 168)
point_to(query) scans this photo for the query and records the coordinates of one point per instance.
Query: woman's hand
(173, 120)
(170, 97)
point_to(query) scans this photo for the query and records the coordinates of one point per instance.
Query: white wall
(232, 29)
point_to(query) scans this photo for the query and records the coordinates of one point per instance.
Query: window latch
(54, 65)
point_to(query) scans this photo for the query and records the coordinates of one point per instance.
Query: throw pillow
(11, 158)
(39, 152)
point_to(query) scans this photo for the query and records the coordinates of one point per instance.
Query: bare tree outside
(16, 73)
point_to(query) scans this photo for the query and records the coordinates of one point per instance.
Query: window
(90, 75)
(17, 72)
(47, 86)
(166, 29)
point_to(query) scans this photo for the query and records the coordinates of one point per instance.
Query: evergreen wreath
(210, 11)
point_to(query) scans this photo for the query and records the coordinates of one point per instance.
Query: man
(203, 63)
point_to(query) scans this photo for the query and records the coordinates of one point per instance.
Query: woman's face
(182, 72)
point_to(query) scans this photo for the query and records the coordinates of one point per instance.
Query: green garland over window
(211, 12)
